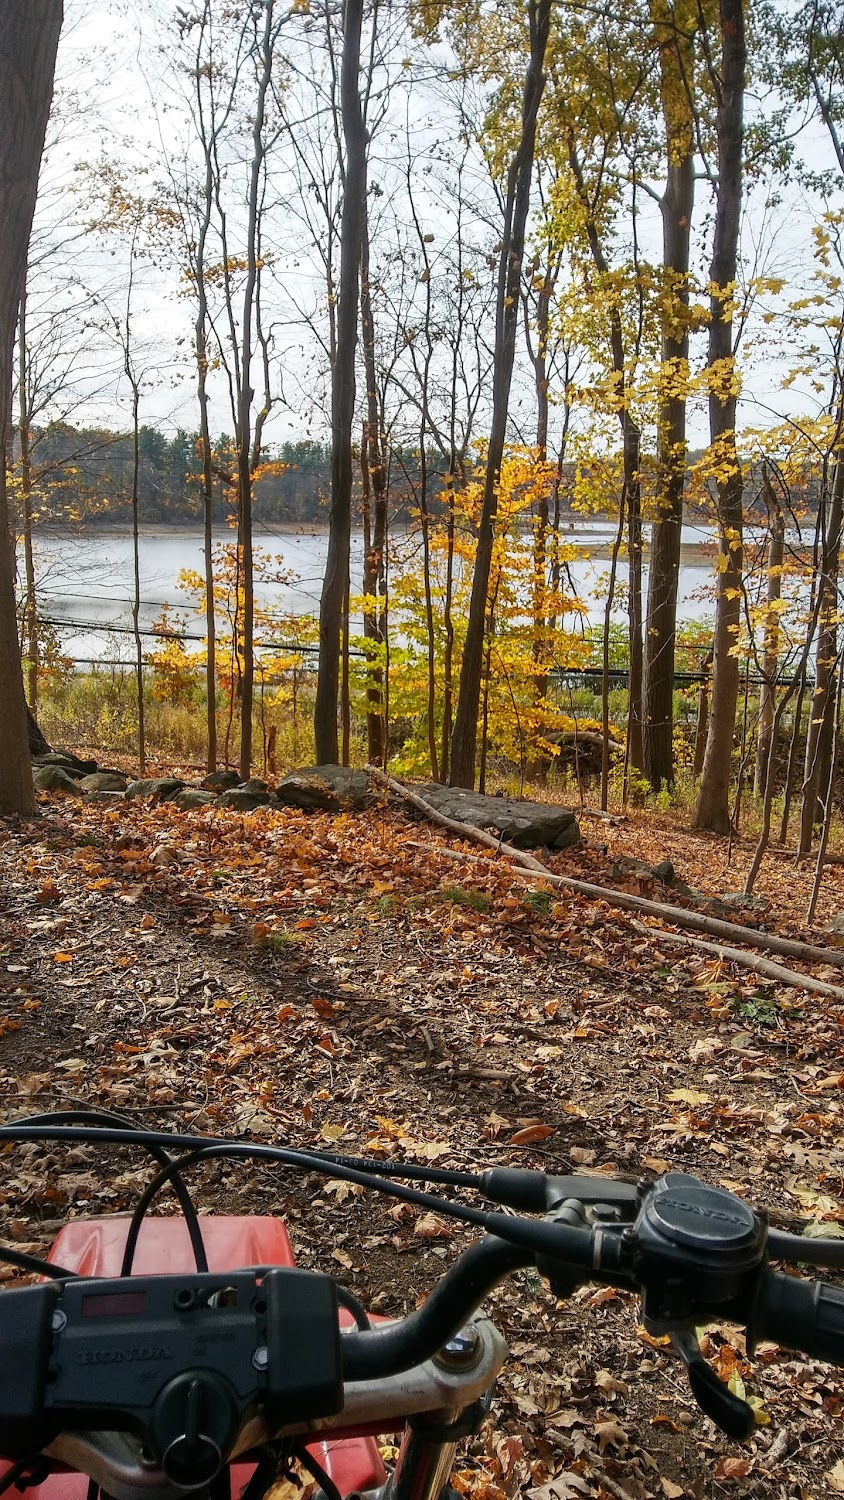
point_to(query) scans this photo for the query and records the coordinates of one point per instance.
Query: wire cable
(24, 1262)
(353, 1305)
(107, 1117)
(317, 1472)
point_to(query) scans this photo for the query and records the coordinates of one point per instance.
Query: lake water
(86, 581)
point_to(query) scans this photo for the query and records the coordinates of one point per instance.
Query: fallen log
(764, 966)
(678, 916)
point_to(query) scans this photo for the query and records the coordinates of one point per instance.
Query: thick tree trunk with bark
(29, 35)
(658, 728)
(712, 809)
(342, 393)
(465, 734)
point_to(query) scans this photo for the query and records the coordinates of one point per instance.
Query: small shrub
(539, 902)
(458, 895)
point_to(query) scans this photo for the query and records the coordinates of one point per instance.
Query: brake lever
(727, 1411)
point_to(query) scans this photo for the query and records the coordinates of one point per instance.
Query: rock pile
(333, 789)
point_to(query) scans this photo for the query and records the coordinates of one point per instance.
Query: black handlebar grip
(515, 1187)
(806, 1315)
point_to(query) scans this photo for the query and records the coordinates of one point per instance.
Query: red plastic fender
(94, 1247)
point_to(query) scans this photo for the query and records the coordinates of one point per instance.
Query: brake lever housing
(696, 1249)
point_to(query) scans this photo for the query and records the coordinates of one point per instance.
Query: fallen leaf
(732, 1468)
(532, 1133)
(430, 1227)
(610, 1435)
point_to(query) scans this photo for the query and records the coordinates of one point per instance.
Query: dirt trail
(324, 983)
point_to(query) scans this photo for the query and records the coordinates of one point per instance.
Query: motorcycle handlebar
(804, 1315)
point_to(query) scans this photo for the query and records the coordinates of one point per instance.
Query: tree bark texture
(712, 810)
(29, 36)
(465, 733)
(342, 392)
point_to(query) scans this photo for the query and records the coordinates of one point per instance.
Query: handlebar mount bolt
(461, 1351)
(58, 1322)
(261, 1358)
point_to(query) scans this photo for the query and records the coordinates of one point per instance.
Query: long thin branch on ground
(678, 916)
(764, 966)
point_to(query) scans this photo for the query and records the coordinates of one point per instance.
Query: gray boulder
(104, 781)
(526, 825)
(166, 788)
(68, 763)
(326, 789)
(241, 799)
(220, 781)
(55, 779)
(194, 796)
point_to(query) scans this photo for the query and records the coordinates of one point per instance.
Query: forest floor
(339, 982)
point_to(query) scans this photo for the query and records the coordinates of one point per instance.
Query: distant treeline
(86, 474)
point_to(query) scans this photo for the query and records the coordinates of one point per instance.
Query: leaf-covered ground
(340, 981)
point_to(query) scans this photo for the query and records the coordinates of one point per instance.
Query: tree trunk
(373, 562)
(605, 674)
(633, 501)
(702, 727)
(712, 809)
(31, 612)
(448, 630)
(245, 454)
(465, 734)
(37, 743)
(136, 573)
(29, 35)
(201, 355)
(771, 648)
(342, 392)
(820, 733)
(538, 761)
(658, 729)
(631, 485)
